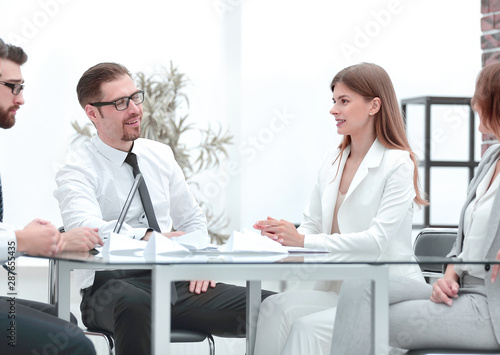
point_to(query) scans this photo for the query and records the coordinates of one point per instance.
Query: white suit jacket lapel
(331, 190)
(371, 160)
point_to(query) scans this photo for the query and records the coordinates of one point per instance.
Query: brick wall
(490, 44)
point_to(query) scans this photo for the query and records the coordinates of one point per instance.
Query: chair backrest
(434, 242)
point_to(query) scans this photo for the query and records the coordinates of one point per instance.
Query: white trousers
(296, 322)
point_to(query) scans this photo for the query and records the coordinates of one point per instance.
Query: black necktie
(148, 208)
(143, 192)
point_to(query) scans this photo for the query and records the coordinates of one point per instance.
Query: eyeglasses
(122, 103)
(16, 88)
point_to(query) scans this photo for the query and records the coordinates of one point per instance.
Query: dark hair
(89, 85)
(3, 49)
(371, 81)
(16, 54)
(487, 96)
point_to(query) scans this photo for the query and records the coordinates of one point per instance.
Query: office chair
(176, 335)
(433, 242)
(438, 242)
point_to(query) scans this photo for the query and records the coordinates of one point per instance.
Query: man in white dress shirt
(92, 188)
(28, 327)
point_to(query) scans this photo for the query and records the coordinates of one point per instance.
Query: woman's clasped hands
(280, 231)
(446, 288)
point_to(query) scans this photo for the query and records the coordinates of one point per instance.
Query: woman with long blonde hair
(462, 309)
(362, 202)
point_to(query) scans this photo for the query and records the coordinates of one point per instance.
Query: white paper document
(244, 241)
(196, 240)
(159, 244)
(119, 243)
(249, 241)
(306, 250)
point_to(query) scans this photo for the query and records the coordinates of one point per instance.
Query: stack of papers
(196, 240)
(244, 241)
(157, 244)
(249, 241)
(117, 243)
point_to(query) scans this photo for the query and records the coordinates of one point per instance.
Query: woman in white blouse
(462, 309)
(362, 202)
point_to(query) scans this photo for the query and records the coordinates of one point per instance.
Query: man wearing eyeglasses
(9, 104)
(29, 327)
(92, 188)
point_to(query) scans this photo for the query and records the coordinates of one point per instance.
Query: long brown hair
(487, 96)
(370, 81)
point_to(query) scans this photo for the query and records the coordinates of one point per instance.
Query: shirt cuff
(139, 233)
(134, 233)
(8, 240)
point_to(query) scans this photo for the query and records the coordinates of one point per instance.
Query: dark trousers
(120, 302)
(33, 328)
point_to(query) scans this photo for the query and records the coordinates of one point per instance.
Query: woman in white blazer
(462, 309)
(362, 202)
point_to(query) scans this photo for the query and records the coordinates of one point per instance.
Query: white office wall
(292, 50)
(278, 101)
